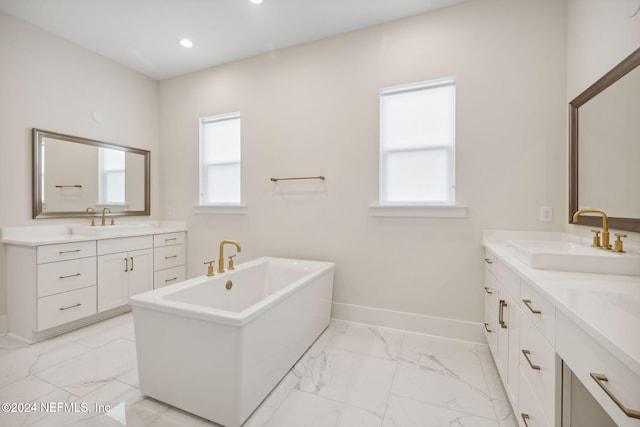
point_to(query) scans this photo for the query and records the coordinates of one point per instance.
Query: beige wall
(313, 110)
(600, 34)
(51, 84)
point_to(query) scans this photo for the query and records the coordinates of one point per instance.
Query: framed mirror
(71, 174)
(604, 148)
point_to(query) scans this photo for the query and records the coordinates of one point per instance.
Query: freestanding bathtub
(217, 352)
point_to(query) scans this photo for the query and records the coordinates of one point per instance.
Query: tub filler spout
(221, 257)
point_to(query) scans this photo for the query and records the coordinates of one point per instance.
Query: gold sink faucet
(605, 225)
(103, 213)
(93, 211)
(221, 258)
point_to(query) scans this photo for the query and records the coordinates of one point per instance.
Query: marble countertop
(37, 235)
(605, 306)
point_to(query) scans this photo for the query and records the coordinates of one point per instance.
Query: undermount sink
(109, 230)
(569, 256)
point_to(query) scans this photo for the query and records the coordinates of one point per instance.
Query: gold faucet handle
(231, 257)
(93, 219)
(617, 246)
(596, 238)
(113, 220)
(210, 268)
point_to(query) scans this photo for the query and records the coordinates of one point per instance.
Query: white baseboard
(4, 324)
(428, 325)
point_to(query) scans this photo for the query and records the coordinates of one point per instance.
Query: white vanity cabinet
(50, 285)
(569, 354)
(57, 281)
(125, 268)
(168, 259)
(523, 353)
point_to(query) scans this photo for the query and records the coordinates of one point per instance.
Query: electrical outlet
(546, 213)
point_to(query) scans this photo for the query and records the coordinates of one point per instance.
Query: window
(417, 143)
(112, 184)
(220, 160)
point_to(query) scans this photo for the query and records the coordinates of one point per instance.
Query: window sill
(220, 209)
(418, 211)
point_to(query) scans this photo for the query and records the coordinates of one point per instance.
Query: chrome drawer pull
(525, 417)
(488, 290)
(486, 328)
(601, 379)
(170, 280)
(71, 275)
(71, 306)
(68, 252)
(526, 356)
(172, 256)
(488, 261)
(527, 302)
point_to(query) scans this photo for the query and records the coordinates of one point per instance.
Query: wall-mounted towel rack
(302, 177)
(69, 186)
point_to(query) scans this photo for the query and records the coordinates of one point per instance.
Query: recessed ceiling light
(256, 1)
(186, 43)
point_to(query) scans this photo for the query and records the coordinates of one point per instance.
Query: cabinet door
(113, 271)
(508, 343)
(513, 328)
(502, 354)
(140, 271)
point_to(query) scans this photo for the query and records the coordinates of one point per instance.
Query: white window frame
(205, 206)
(426, 208)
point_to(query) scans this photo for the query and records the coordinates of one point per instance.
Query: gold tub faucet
(221, 258)
(605, 225)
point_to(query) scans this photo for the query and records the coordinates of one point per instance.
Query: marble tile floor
(354, 375)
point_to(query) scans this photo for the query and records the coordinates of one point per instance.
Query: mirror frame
(38, 134)
(623, 68)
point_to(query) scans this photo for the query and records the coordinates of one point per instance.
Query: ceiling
(144, 34)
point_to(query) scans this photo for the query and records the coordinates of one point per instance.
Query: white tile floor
(353, 376)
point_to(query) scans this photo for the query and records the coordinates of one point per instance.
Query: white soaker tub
(218, 352)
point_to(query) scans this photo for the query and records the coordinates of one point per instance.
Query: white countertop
(37, 235)
(605, 306)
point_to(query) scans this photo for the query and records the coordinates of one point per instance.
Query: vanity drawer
(491, 323)
(489, 261)
(538, 366)
(66, 307)
(168, 257)
(125, 244)
(529, 412)
(539, 310)
(168, 239)
(66, 251)
(587, 358)
(64, 276)
(509, 279)
(490, 281)
(168, 277)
